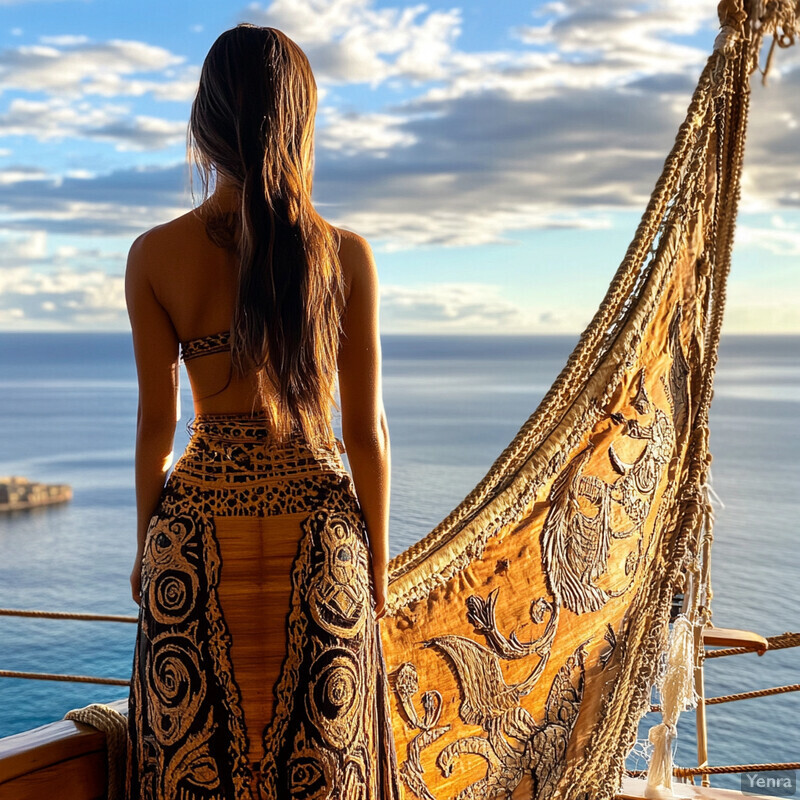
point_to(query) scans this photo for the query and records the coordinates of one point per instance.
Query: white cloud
(351, 133)
(56, 118)
(62, 298)
(427, 226)
(94, 218)
(12, 175)
(140, 133)
(24, 246)
(779, 240)
(449, 305)
(625, 35)
(467, 308)
(510, 138)
(11, 317)
(119, 203)
(476, 167)
(24, 250)
(585, 44)
(78, 68)
(52, 119)
(352, 41)
(175, 85)
(63, 41)
(73, 72)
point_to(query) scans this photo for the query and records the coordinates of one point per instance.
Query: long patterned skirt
(258, 672)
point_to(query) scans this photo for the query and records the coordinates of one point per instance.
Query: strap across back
(205, 345)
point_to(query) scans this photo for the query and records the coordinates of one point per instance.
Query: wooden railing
(62, 760)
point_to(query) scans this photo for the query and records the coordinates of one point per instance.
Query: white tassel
(676, 688)
(659, 773)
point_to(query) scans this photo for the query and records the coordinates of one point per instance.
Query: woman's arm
(364, 428)
(155, 346)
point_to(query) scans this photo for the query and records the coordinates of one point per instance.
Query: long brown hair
(252, 122)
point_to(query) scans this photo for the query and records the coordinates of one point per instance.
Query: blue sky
(498, 156)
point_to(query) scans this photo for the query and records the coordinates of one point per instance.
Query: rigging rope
(778, 642)
(49, 676)
(24, 612)
(730, 698)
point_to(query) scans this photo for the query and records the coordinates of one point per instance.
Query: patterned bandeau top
(204, 345)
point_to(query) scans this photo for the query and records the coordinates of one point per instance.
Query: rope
(115, 727)
(688, 772)
(22, 612)
(49, 676)
(774, 17)
(730, 698)
(779, 642)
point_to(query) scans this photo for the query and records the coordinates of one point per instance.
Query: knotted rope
(115, 726)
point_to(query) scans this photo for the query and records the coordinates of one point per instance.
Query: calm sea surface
(67, 411)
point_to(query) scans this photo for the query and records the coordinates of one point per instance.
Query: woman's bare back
(194, 280)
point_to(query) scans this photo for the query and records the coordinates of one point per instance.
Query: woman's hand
(380, 580)
(136, 579)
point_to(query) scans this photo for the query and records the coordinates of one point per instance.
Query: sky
(496, 155)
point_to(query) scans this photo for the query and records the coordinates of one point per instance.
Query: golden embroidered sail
(524, 631)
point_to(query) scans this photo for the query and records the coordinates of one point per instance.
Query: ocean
(68, 409)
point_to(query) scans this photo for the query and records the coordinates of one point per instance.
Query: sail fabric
(524, 633)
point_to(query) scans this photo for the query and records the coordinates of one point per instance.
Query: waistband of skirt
(244, 448)
(234, 427)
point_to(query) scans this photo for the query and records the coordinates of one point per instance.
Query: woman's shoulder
(350, 241)
(167, 234)
(355, 254)
(154, 253)
(357, 261)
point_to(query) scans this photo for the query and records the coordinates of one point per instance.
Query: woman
(261, 565)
